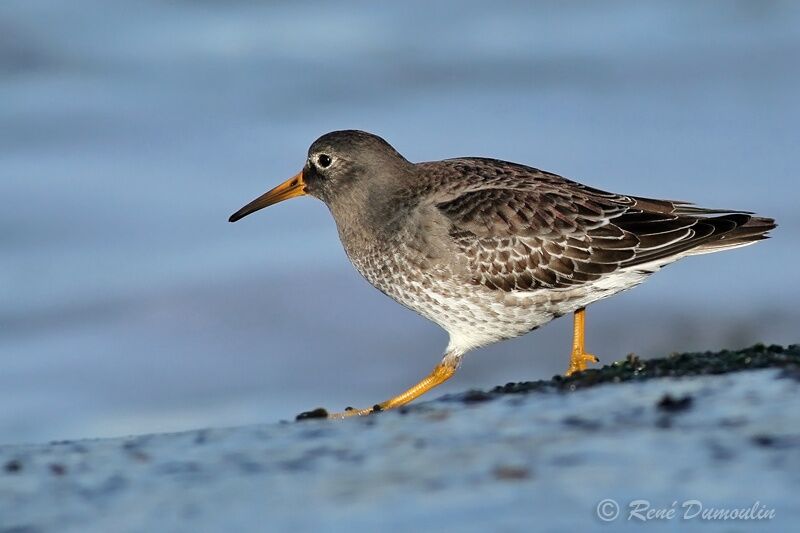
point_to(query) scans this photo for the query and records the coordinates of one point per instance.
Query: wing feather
(523, 229)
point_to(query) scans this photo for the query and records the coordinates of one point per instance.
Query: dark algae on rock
(671, 404)
(633, 368)
(319, 412)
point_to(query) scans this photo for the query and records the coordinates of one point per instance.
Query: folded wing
(527, 229)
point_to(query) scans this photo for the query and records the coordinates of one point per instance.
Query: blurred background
(130, 130)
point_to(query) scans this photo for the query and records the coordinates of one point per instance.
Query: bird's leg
(580, 358)
(441, 373)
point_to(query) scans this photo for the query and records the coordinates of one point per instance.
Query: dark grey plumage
(526, 229)
(490, 249)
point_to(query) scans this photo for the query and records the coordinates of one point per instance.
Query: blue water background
(130, 130)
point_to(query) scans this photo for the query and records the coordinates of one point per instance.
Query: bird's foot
(441, 373)
(347, 413)
(579, 362)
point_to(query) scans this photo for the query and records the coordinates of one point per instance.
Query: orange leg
(441, 373)
(580, 358)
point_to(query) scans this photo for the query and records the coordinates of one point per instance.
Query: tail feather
(732, 228)
(656, 222)
(754, 229)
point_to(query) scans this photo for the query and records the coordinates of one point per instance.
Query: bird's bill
(294, 186)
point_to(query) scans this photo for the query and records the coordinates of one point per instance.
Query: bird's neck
(370, 216)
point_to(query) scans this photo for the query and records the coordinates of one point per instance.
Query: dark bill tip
(294, 186)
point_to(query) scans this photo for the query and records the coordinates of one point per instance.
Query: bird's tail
(746, 231)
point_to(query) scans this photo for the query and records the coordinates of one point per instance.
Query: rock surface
(721, 431)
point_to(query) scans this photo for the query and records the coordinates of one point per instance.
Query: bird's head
(342, 168)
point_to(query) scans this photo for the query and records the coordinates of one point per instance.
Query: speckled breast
(438, 290)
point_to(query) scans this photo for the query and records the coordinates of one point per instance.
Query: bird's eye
(324, 160)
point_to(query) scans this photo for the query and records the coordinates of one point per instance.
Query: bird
(490, 250)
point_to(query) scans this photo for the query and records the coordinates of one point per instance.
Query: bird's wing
(522, 229)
